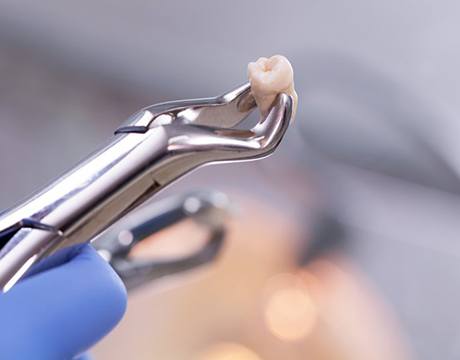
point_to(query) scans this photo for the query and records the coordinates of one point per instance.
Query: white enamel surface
(269, 77)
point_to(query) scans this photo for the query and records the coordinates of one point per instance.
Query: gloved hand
(65, 305)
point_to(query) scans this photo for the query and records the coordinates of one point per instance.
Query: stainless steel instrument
(156, 146)
(208, 209)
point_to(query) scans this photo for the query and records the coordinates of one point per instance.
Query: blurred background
(345, 245)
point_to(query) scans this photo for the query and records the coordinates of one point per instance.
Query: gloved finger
(59, 258)
(85, 356)
(61, 312)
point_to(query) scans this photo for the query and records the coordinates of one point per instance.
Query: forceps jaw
(194, 146)
(225, 111)
(218, 144)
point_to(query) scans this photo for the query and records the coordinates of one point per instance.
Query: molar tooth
(269, 77)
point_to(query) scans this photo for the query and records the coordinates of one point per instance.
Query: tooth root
(268, 78)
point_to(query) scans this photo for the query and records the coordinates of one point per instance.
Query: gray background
(70, 72)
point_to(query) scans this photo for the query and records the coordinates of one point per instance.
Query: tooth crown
(269, 77)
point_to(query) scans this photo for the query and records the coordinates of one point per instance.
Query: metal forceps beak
(207, 209)
(156, 146)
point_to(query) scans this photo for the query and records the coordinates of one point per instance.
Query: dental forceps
(206, 208)
(156, 146)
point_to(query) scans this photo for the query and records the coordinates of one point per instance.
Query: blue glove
(65, 305)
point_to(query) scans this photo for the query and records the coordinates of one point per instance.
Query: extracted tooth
(268, 78)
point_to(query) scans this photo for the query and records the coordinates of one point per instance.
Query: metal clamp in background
(207, 208)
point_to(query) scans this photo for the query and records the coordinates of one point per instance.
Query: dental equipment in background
(156, 146)
(206, 208)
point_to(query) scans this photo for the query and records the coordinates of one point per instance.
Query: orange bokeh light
(290, 313)
(228, 351)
